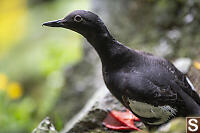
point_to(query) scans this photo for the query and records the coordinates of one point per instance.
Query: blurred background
(53, 72)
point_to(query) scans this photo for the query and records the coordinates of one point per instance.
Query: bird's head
(83, 22)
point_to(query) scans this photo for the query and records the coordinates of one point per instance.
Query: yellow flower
(196, 65)
(14, 90)
(3, 81)
(12, 22)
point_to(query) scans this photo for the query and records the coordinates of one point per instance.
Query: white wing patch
(163, 113)
(190, 83)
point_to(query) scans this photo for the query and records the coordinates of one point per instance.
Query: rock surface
(91, 116)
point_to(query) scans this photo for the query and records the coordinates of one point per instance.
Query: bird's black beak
(57, 23)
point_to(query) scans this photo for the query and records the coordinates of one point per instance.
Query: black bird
(150, 86)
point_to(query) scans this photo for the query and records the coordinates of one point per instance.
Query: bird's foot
(117, 120)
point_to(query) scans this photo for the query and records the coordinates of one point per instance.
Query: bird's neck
(109, 50)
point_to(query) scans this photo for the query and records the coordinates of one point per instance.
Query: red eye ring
(78, 18)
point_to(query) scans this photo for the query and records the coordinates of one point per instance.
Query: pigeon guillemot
(149, 86)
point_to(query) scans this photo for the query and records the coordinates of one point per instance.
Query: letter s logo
(193, 123)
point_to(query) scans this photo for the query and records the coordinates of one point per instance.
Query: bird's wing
(173, 96)
(183, 82)
(144, 90)
(168, 73)
(153, 104)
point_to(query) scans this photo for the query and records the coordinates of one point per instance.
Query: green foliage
(67, 51)
(37, 62)
(50, 93)
(16, 116)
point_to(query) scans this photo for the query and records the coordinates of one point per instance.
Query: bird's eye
(78, 18)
